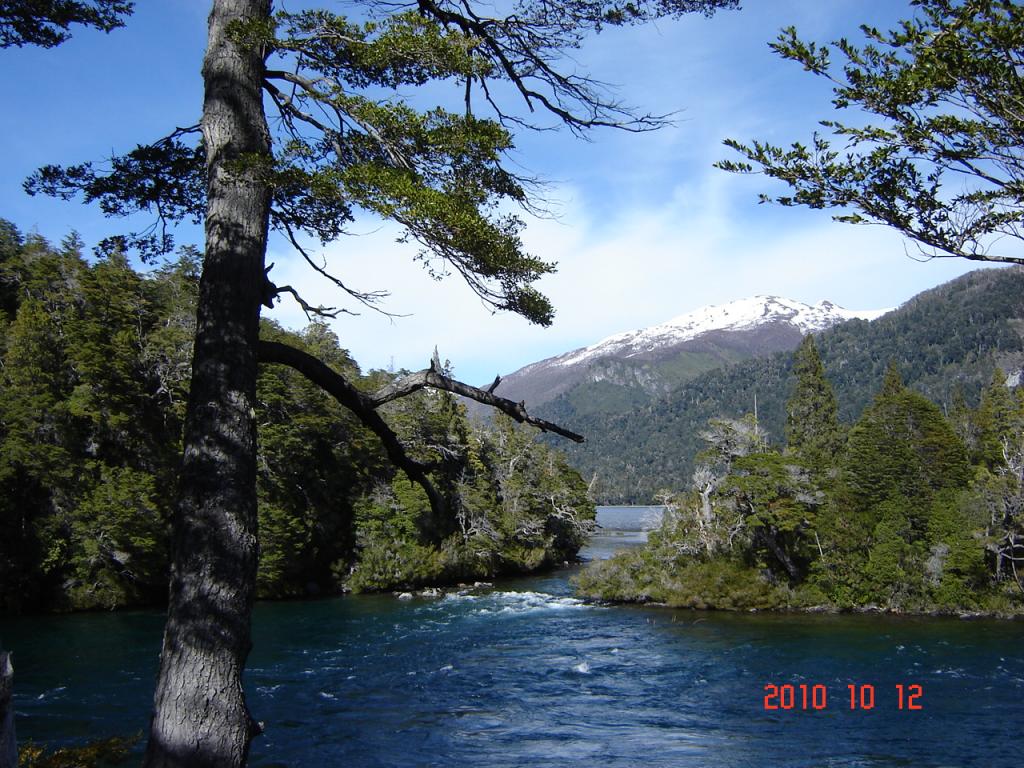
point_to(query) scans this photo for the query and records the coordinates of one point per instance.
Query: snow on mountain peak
(736, 315)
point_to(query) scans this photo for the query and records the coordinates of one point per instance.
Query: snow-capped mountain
(741, 314)
(656, 358)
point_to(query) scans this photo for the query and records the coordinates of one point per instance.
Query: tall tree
(937, 155)
(999, 421)
(902, 464)
(812, 414)
(776, 503)
(343, 148)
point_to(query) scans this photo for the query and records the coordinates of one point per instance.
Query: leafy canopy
(46, 23)
(938, 154)
(344, 145)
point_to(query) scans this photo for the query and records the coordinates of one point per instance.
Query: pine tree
(902, 457)
(812, 414)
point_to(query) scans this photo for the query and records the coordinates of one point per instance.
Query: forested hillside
(907, 510)
(945, 340)
(96, 361)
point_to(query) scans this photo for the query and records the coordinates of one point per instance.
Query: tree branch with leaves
(940, 154)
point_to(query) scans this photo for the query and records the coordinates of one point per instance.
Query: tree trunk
(200, 717)
(8, 744)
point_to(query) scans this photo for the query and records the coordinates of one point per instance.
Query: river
(524, 674)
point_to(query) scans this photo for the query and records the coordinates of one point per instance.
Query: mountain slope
(622, 372)
(953, 335)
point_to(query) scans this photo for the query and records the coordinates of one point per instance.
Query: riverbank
(644, 576)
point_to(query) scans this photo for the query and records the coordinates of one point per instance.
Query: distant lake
(527, 675)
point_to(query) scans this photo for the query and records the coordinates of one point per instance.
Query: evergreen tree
(36, 470)
(902, 458)
(315, 461)
(118, 544)
(999, 420)
(777, 505)
(10, 257)
(812, 414)
(964, 422)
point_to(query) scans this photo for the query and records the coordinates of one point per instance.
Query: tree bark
(200, 717)
(8, 743)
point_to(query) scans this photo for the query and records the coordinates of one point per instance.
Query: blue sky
(645, 227)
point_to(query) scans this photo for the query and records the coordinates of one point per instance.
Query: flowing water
(525, 674)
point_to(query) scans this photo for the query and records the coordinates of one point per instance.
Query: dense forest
(96, 362)
(905, 510)
(947, 340)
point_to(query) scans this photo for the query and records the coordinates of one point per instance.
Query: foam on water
(514, 603)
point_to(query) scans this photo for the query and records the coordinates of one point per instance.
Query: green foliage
(118, 546)
(96, 364)
(999, 418)
(946, 340)
(776, 503)
(937, 157)
(903, 522)
(901, 447)
(391, 554)
(46, 22)
(723, 584)
(518, 507)
(315, 459)
(812, 413)
(903, 465)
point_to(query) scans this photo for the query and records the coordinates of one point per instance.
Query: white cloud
(641, 266)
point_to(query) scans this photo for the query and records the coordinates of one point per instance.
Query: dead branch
(364, 406)
(342, 390)
(311, 311)
(435, 379)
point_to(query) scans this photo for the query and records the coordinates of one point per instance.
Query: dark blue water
(525, 674)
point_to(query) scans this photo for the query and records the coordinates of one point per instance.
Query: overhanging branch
(434, 379)
(364, 406)
(342, 390)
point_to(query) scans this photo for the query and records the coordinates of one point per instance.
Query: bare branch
(520, 51)
(177, 133)
(366, 298)
(435, 379)
(309, 309)
(342, 390)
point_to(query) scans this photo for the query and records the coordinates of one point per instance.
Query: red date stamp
(816, 697)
